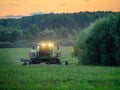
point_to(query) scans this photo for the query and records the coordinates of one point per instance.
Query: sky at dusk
(25, 7)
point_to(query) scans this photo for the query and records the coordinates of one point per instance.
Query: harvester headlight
(43, 44)
(50, 45)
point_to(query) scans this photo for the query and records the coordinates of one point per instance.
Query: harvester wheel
(58, 61)
(47, 62)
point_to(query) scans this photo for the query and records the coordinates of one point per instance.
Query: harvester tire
(47, 62)
(58, 61)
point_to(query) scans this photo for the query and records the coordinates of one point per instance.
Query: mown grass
(13, 76)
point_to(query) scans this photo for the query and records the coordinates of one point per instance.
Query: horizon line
(42, 13)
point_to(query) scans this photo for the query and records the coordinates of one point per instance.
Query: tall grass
(13, 76)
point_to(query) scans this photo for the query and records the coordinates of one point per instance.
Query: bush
(100, 43)
(6, 45)
(24, 43)
(65, 42)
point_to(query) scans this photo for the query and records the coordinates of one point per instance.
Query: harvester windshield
(45, 49)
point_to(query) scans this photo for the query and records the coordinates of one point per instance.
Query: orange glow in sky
(25, 7)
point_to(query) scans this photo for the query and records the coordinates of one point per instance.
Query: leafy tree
(6, 45)
(62, 33)
(47, 35)
(99, 44)
(17, 35)
(7, 36)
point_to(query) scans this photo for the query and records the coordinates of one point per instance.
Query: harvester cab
(45, 50)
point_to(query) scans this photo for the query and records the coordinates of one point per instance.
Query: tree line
(62, 28)
(99, 44)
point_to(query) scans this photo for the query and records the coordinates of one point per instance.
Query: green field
(13, 76)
